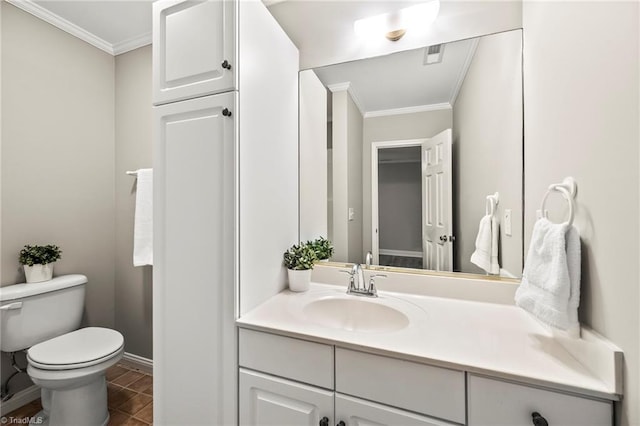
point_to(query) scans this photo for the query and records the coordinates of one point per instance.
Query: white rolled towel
(143, 221)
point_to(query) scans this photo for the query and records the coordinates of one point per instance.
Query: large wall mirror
(423, 156)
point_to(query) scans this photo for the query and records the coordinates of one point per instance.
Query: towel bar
(130, 173)
(568, 189)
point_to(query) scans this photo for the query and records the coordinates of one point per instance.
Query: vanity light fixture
(394, 25)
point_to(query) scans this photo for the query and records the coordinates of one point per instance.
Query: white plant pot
(38, 273)
(299, 280)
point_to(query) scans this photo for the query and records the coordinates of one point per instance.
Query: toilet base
(74, 397)
(83, 405)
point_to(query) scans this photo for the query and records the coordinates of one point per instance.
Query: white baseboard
(20, 399)
(139, 362)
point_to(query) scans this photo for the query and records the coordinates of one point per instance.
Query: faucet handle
(344, 271)
(377, 276)
(372, 285)
(352, 281)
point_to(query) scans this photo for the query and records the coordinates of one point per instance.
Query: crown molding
(407, 110)
(131, 44)
(79, 32)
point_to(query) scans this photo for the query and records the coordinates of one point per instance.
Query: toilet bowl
(68, 363)
(70, 370)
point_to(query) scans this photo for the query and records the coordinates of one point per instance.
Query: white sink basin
(355, 314)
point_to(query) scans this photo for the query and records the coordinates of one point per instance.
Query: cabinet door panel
(268, 400)
(194, 283)
(191, 41)
(357, 412)
(497, 403)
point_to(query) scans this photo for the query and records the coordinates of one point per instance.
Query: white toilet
(68, 365)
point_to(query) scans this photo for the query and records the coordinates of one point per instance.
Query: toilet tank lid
(19, 291)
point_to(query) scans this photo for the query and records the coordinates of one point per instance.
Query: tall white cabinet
(226, 194)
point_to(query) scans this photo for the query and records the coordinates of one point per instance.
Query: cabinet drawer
(433, 391)
(495, 403)
(294, 359)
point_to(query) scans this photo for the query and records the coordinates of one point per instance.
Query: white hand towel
(143, 222)
(486, 254)
(550, 287)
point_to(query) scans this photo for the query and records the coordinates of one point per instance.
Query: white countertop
(493, 339)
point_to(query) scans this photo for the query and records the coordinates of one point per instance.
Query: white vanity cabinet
(193, 48)
(288, 381)
(499, 403)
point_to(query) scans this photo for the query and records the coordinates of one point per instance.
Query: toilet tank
(33, 313)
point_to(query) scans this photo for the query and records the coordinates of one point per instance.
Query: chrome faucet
(357, 286)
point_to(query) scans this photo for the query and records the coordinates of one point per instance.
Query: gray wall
(581, 119)
(394, 127)
(58, 155)
(133, 287)
(347, 177)
(487, 133)
(354, 143)
(400, 205)
(339, 228)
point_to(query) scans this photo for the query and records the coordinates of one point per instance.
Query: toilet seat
(78, 349)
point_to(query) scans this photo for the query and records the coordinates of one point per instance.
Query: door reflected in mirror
(416, 141)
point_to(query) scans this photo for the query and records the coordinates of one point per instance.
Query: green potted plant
(38, 261)
(322, 247)
(299, 261)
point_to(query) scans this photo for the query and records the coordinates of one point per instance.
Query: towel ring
(491, 204)
(568, 189)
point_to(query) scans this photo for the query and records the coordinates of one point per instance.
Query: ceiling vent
(433, 54)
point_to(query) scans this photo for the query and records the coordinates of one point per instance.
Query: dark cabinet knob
(538, 420)
(226, 64)
(226, 112)
(324, 421)
(341, 423)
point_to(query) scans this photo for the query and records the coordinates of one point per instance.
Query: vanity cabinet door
(269, 400)
(193, 49)
(358, 412)
(497, 403)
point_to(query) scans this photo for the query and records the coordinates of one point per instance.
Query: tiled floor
(130, 395)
